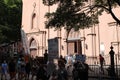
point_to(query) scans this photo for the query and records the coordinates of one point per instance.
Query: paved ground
(94, 75)
(91, 78)
(8, 77)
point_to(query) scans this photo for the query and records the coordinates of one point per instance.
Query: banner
(25, 42)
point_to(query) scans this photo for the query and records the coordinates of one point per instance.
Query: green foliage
(108, 6)
(105, 3)
(10, 20)
(49, 2)
(69, 15)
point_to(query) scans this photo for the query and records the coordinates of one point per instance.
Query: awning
(73, 39)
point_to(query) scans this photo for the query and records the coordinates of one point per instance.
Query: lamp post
(116, 42)
(112, 68)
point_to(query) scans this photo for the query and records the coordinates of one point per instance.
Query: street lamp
(116, 42)
(112, 68)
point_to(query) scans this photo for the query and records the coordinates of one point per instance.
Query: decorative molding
(93, 34)
(36, 33)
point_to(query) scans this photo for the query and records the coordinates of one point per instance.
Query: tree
(69, 14)
(98, 6)
(10, 20)
(106, 5)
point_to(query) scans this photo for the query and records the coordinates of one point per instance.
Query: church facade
(91, 41)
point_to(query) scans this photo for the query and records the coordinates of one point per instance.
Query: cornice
(36, 33)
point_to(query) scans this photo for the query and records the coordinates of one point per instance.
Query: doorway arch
(74, 42)
(33, 48)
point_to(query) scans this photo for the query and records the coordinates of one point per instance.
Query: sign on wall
(53, 50)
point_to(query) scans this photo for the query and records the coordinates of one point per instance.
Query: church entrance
(74, 42)
(33, 48)
(74, 47)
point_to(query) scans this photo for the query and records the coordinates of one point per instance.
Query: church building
(90, 42)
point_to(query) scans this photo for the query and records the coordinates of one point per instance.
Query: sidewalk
(91, 77)
(8, 77)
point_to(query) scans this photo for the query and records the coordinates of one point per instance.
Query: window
(102, 48)
(33, 20)
(33, 44)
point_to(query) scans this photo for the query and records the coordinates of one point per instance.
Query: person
(4, 68)
(27, 69)
(76, 70)
(45, 57)
(69, 67)
(53, 76)
(102, 61)
(62, 58)
(50, 68)
(61, 71)
(22, 68)
(84, 74)
(80, 70)
(0, 71)
(41, 74)
(19, 68)
(12, 69)
(34, 69)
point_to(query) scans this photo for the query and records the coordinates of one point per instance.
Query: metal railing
(98, 74)
(94, 64)
(95, 60)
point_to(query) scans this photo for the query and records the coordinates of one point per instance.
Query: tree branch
(118, 2)
(112, 14)
(109, 9)
(99, 6)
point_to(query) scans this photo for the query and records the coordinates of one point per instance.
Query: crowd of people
(44, 69)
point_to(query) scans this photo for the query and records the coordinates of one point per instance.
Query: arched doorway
(74, 42)
(33, 48)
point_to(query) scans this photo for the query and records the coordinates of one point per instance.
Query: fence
(95, 60)
(95, 66)
(97, 73)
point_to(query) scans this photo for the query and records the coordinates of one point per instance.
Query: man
(102, 60)
(81, 68)
(51, 67)
(61, 71)
(45, 57)
(4, 68)
(12, 69)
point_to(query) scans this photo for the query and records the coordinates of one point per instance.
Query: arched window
(74, 34)
(33, 44)
(33, 20)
